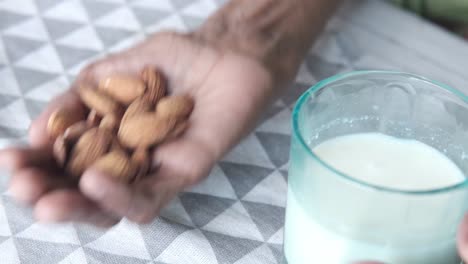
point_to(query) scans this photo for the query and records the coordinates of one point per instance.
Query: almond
(91, 146)
(60, 150)
(141, 159)
(116, 164)
(178, 130)
(93, 118)
(124, 89)
(155, 84)
(98, 101)
(62, 119)
(140, 105)
(145, 130)
(74, 132)
(109, 122)
(177, 106)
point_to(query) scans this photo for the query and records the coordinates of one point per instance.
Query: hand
(229, 89)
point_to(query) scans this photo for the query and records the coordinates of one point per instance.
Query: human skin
(240, 60)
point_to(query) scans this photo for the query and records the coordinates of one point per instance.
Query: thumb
(462, 238)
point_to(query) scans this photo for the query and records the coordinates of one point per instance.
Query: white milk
(382, 161)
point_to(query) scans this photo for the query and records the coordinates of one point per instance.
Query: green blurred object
(453, 11)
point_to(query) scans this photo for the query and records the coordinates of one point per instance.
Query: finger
(29, 184)
(71, 205)
(38, 130)
(16, 158)
(462, 239)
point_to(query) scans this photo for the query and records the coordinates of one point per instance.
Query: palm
(229, 92)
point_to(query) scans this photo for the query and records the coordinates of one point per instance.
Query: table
(237, 214)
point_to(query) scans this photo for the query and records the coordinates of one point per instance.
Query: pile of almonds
(127, 118)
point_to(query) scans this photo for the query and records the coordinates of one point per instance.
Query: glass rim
(321, 84)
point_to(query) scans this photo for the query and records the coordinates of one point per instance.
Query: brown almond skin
(93, 118)
(177, 106)
(141, 159)
(124, 89)
(155, 84)
(109, 122)
(145, 130)
(60, 150)
(98, 101)
(60, 120)
(75, 131)
(91, 146)
(140, 105)
(116, 164)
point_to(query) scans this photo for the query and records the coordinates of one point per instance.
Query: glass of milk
(377, 171)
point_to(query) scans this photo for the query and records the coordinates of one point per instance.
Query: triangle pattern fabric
(249, 151)
(41, 252)
(19, 7)
(10, 18)
(216, 178)
(99, 257)
(268, 189)
(277, 238)
(30, 29)
(229, 249)
(19, 218)
(18, 47)
(280, 123)
(263, 252)
(9, 84)
(75, 39)
(133, 246)
(122, 18)
(276, 146)
(34, 107)
(4, 227)
(59, 28)
(160, 234)
(44, 59)
(8, 252)
(244, 177)
(49, 90)
(244, 227)
(97, 9)
(111, 36)
(29, 79)
(277, 251)
(72, 56)
(148, 17)
(203, 208)
(71, 10)
(76, 257)
(196, 250)
(46, 4)
(175, 212)
(269, 218)
(151, 4)
(87, 233)
(59, 233)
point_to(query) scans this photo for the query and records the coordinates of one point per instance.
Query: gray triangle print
(46, 4)
(160, 234)
(269, 113)
(181, 4)
(294, 92)
(34, 107)
(204, 208)
(19, 217)
(3, 238)
(321, 68)
(8, 132)
(98, 9)
(59, 28)
(244, 177)
(285, 174)
(229, 249)
(30, 79)
(7, 19)
(148, 17)
(276, 146)
(192, 22)
(268, 218)
(6, 99)
(16, 47)
(73, 56)
(277, 252)
(99, 257)
(87, 233)
(41, 252)
(112, 36)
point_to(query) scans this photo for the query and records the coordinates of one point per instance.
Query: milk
(330, 220)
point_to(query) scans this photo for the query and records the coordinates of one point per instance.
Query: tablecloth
(237, 214)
